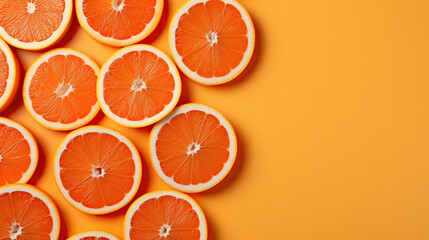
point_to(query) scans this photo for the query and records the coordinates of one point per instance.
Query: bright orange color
(192, 147)
(138, 85)
(212, 38)
(119, 19)
(4, 72)
(15, 156)
(9, 75)
(29, 21)
(97, 170)
(94, 238)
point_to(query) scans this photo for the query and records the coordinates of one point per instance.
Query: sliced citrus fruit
(97, 170)
(119, 22)
(9, 75)
(138, 86)
(34, 24)
(93, 235)
(18, 153)
(27, 213)
(165, 215)
(193, 148)
(59, 89)
(212, 41)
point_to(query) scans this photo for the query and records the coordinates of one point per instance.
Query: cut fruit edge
(227, 166)
(117, 42)
(32, 71)
(214, 80)
(14, 76)
(157, 194)
(60, 32)
(49, 202)
(137, 177)
(147, 121)
(95, 233)
(34, 151)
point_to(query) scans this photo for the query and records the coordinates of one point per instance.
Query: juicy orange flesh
(119, 19)
(94, 238)
(138, 85)
(63, 89)
(31, 213)
(14, 155)
(177, 138)
(212, 38)
(176, 213)
(102, 153)
(4, 72)
(33, 22)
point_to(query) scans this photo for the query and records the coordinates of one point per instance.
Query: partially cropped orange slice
(212, 41)
(59, 89)
(166, 215)
(97, 170)
(119, 22)
(93, 235)
(27, 213)
(18, 153)
(34, 24)
(9, 75)
(193, 148)
(138, 86)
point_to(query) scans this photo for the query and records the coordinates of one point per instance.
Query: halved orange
(59, 89)
(212, 41)
(93, 235)
(166, 215)
(9, 75)
(34, 24)
(119, 22)
(27, 213)
(193, 148)
(97, 170)
(138, 86)
(18, 153)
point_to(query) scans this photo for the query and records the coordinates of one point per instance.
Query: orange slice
(27, 213)
(18, 153)
(59, 89)
(97, 169)
(93, 235)
(138, 86)
(193, 148)
(34, 24)
(9, 75)
(166, 215)
(119, 22)
(212, 41)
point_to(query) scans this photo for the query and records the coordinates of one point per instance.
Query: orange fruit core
(193, 147)
(211, 38)
(97, 170)
(23, 216)
(31, 20)
(166, 217)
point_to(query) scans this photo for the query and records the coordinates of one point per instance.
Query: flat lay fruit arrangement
(98, 170)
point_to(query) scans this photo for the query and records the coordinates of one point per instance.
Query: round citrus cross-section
(9, 75)
(97, 170)
(93, 235)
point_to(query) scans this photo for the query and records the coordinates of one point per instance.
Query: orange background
(332, 119)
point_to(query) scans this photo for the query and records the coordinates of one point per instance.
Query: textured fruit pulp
(119, 19)
(138, 85)
(14, 155)
(31, 20)
(212, 38)
(97, 170)
(192, 148)
(24, 215)
(63, 89)
(4, 72)
(94, 238)
(165, 218)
